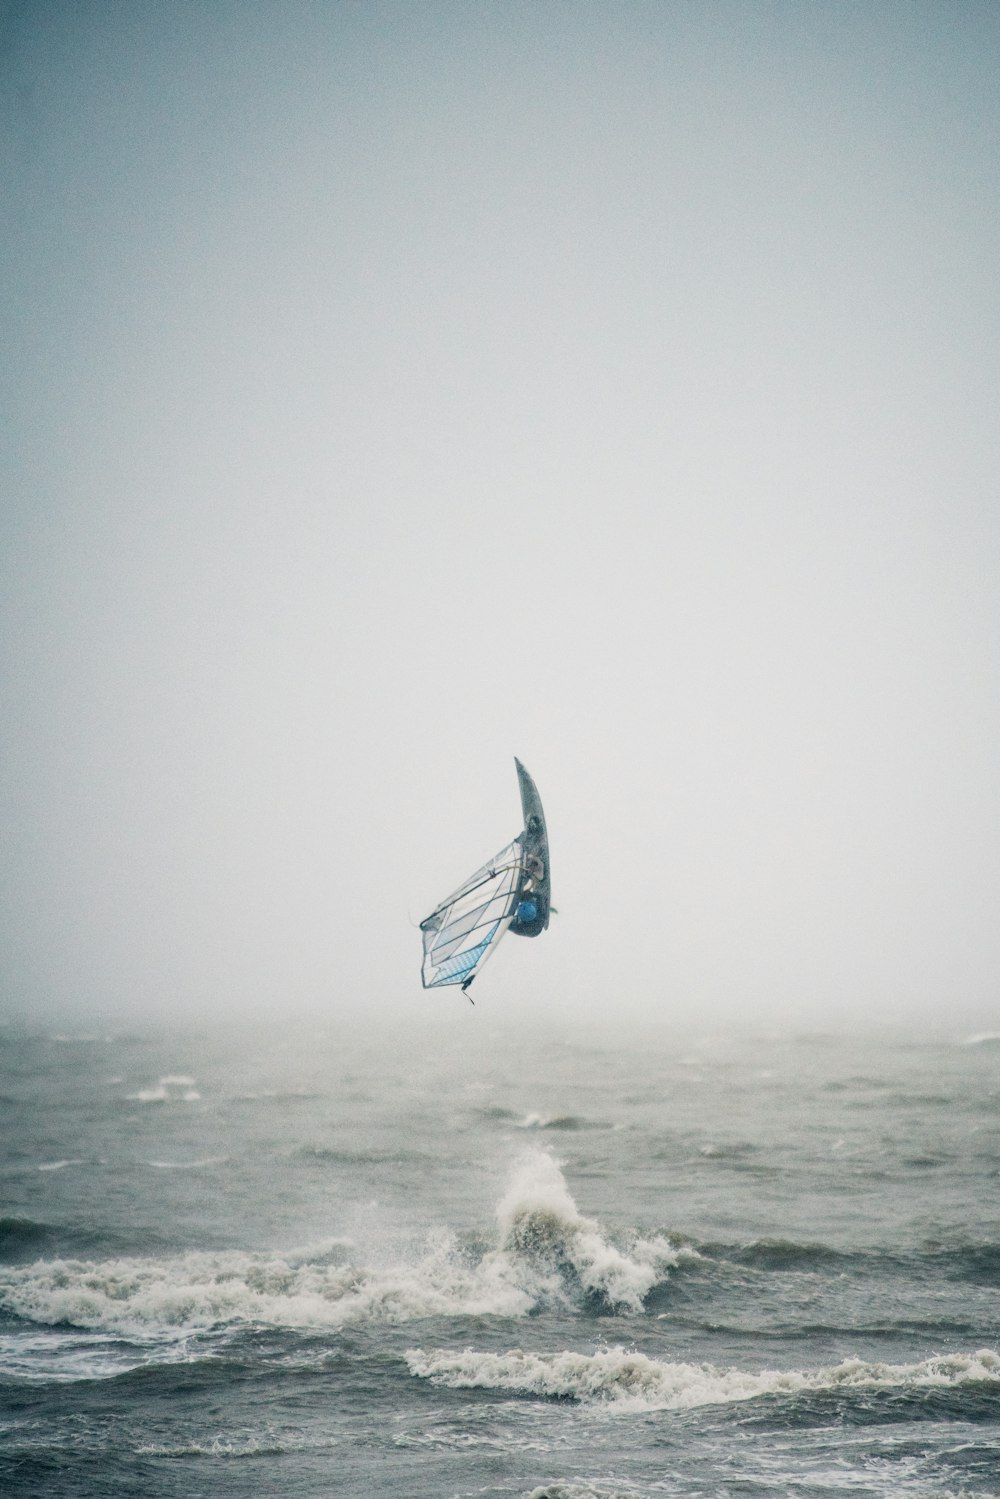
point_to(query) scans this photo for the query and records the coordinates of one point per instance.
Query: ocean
(457, 1257)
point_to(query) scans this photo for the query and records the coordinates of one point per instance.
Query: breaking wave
(545, 1238)
(20, 1236)
(546, 1253)
(633, 1381)
(200, 1291)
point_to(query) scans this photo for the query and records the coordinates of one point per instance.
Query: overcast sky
(392, 388)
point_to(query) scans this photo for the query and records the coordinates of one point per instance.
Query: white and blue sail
(510, 893)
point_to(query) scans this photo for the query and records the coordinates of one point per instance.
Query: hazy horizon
(390, 391)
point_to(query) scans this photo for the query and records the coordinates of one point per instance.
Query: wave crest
(198, 1292)
(247, 1445)
(633, 1381)
(554, 1249)
(547, 1252)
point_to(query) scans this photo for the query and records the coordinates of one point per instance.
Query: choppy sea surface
(453, 1258)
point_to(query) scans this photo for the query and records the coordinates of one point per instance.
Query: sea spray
(270, 1298)
(200, 1291)
(547, 1253)
(551, 1247)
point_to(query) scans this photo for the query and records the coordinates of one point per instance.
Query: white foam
(631, 1381)
(195, 1292)
(441, 1439)
(578, 1491)
(42, 1357)
(547, 1252)
(263, 1444)
(173, 1085)
(57, 1165)
(554, 1250)
(209, 1160)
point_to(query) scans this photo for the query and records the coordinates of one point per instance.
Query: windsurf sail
(510, 893)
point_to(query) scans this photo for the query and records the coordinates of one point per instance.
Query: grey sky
(390, 389)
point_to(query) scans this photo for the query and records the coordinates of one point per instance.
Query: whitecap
(548, 1252)
(199, 1291)
(562, 1490)
(65, 1357)
(209, 1160)
(554, 1251)
(173, 1086)
(631, 1381)
(250, 1444)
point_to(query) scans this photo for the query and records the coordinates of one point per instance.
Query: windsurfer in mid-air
(509, 894)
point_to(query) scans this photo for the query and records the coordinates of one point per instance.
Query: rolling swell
(238, 1341)
(22, 1237)
(978, 1263)
(780, 1254)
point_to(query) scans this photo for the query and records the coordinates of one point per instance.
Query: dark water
(453, 1260)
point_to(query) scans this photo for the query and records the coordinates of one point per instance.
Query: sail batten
(459, 934)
